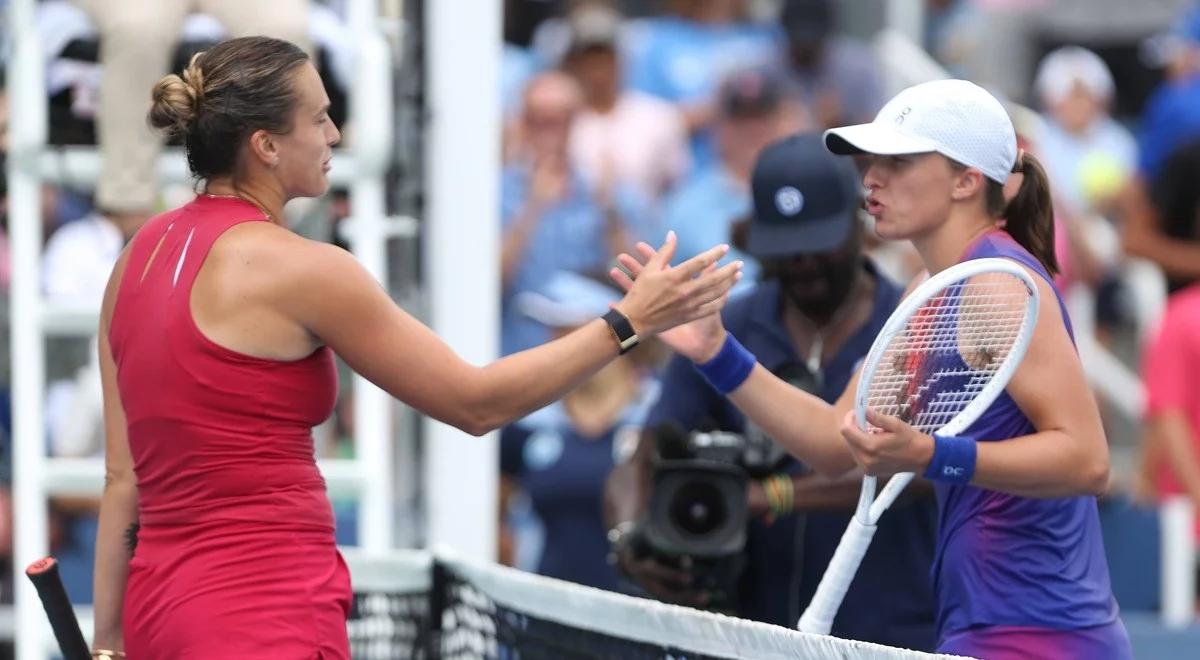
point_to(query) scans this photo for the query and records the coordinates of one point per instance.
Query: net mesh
(949, 350)
(488, 611)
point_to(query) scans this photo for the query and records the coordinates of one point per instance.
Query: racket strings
(949, 350)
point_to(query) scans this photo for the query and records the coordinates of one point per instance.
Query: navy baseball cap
(805, 198)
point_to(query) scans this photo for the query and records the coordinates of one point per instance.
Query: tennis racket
(943, 356)
(44, 575)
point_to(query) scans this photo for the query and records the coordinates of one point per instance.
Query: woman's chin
(886, 230)
(316, 188)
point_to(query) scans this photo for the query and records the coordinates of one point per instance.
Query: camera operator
(811, 319)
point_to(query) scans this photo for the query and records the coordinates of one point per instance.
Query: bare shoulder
(267, 253)
(1048, 307)
(273, 265)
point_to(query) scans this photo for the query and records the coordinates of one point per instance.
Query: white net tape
(493, 611)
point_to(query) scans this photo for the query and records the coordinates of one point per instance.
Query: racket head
(951, 346)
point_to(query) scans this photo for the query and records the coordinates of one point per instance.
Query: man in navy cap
(811, 319)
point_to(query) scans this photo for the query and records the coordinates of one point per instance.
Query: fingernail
(740, 263)
(738, 276)
(724, 247)
(670, 234)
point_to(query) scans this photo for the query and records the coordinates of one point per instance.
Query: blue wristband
(953, 460)
(729, 368)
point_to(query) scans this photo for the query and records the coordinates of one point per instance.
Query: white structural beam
(84, 477)
(371, 116)
(907, 17)
(462, 249)
(79, 166)
(27, 134)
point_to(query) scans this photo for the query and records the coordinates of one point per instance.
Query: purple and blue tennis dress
(1020, 577)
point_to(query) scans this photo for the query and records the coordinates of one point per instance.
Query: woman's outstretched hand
(682, 304)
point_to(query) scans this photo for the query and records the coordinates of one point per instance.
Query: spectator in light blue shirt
(683, 56)
(552, 220)
(755, 107)
(1087, 154)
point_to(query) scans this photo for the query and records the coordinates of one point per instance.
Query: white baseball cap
(566, 300)
(955, 118)
(1068, 66)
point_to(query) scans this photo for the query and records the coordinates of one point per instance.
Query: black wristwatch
(622, 329)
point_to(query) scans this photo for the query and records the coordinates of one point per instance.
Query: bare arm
(1068, 455)
(1174, 434)
(1143, 236)
(118, 504)
(806, 425)
(627, 488)
(339, 303)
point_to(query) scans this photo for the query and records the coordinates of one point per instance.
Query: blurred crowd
(625, 120)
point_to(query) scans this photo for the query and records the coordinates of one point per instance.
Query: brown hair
(1029, 215)
(226, 93)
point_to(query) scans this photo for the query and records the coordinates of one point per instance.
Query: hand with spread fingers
(700, 336)
(893, 446)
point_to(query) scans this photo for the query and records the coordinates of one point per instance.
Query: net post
(438, 585)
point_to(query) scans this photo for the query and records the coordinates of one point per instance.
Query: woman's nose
(871, 177)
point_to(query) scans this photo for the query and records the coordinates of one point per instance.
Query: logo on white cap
(903, 113)
(789, 200)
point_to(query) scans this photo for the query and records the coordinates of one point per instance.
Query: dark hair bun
(176, 100)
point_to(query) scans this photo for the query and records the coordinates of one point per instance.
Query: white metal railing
(1177, 583)
(360, 166)
(79, 166)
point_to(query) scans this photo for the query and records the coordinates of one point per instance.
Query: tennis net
(413, 604)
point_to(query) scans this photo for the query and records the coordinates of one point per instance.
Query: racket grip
(44, 575)
(818, 616)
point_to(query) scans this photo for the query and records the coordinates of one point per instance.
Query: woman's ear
(264, 149)
(968, 182)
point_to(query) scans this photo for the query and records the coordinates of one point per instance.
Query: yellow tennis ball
(1100, 177)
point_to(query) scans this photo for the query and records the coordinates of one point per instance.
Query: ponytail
(1029, 216)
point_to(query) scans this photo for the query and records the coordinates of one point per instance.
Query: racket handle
(818, 616)
(44, 575)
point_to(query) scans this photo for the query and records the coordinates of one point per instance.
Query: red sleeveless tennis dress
(235, 556)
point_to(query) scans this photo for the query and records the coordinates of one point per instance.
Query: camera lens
(698, 508)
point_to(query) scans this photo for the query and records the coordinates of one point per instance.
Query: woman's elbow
(1095, 477)
(478, 420)
(1090, 475)
(477, 427)
(119, 478)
